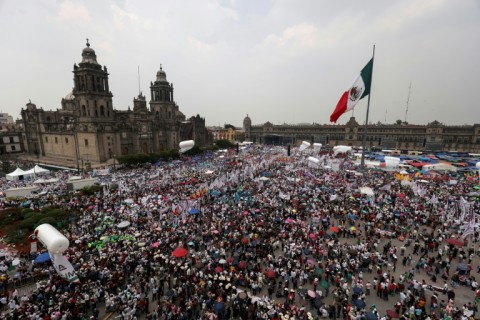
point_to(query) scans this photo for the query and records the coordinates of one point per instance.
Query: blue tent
(41, 258)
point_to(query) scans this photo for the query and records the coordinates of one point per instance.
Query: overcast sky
(285, 61)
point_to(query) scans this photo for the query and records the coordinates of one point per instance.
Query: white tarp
(392, 161)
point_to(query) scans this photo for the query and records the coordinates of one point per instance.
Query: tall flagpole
(362, 163)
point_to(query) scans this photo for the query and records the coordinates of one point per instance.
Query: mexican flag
(359, 89)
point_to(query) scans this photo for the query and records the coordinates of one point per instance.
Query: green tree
(229, 126)
(224, 144)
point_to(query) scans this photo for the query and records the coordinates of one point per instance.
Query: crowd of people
(261, 235)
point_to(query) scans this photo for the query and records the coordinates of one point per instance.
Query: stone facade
(434, 136)
(87, 127)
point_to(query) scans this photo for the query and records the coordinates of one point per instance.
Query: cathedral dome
(70, 97)
(88, 55)
(161, 75)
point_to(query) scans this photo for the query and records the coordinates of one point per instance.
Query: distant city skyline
(278, 61)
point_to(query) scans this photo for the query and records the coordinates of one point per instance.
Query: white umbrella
(222, 261)
(123, 224)
(15, 262)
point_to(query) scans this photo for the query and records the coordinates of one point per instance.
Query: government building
(434, 136)
(88, 127)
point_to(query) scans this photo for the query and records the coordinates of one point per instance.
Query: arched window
(84, 111)
(96, 112)
(102, 111)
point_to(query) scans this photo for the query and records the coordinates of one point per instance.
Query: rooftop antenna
(138, 71)
(386, 115)
(408, 100)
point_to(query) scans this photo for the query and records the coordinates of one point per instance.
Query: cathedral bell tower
(162, 104)
(91, 91)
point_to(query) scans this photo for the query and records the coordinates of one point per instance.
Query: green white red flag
(359, 89)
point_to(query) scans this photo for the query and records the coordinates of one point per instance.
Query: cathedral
(88, 127)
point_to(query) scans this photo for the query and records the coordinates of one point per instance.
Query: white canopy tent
(37, 170)
(18, 174)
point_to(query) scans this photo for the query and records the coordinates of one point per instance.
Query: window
(13, 148)
(66, 140)
(86, 142)
(11, 140)
(46, 139)
(56, 140)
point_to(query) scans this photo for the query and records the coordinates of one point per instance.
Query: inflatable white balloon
(56, 244)
(51, 238)
(317, 146)
(304, 146)
(186, 145)
(341, 149)
(313, 160)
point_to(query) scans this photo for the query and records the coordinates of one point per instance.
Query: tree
(224, 144)
(399, 122)
(229, 126)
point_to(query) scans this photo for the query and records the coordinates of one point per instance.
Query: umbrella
(311, 294)
(219, 307)
(270, 273)
(245, 240)
(222, 261)
(218, 269)
(334, 229)
(312, 236)
(123, 224)
(41, 258)
(242, 264)
(288, 220)
(170, 293)
(191, 243)
(179, 252)
(15, 262)
(359, 304)
(455, 242)
(371, 316)
(317, 302)
(462, 267)
(353, 228)
(392, 314)
(194, 211)
(324, 284)
(199, 264)
(357, 290)
(242, 295)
